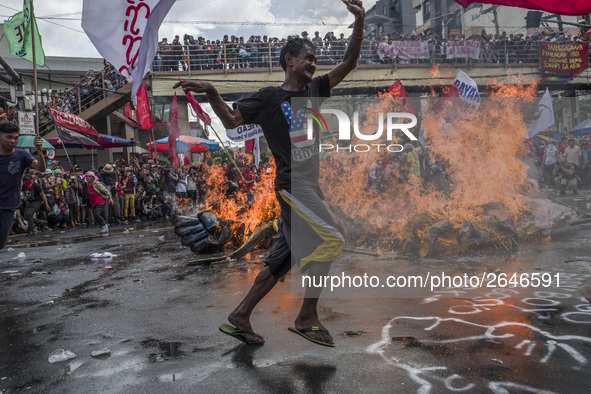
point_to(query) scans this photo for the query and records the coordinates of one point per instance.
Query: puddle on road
(168, 350)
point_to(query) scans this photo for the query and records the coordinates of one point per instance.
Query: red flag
(174, 133)
(73, 129)
(201, 114)
(397, 90)
(249, 145)
(449, 105)
(561, 7)
(143, 108)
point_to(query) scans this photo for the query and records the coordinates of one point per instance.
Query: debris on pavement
(101, 353)
(60, 355)
(106, 255)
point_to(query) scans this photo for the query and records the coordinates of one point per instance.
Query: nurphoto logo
(394, 123)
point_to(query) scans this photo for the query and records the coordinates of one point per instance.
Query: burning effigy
(472, 191)
(475, 192)
(228, 219)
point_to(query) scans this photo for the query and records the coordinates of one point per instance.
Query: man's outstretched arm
(231, 118)
(349, 62)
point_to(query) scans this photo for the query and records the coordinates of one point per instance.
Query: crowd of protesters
(90, 88)
(119, 192)
(563, 165)
(236, 52)
(233, 52)
(10, 114)
(558, 165)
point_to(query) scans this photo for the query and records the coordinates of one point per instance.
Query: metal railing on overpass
(230, 57)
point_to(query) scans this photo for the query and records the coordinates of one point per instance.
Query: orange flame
(235, 207)
(481, 157)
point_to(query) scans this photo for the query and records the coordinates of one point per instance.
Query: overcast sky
(64, 37)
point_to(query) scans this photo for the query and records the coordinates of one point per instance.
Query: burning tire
(206, 233)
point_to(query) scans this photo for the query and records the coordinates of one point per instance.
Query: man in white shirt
(573, 153)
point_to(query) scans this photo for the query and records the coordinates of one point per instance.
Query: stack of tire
(205, 233)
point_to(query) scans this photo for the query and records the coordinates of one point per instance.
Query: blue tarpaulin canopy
(104, 141)
(109, 141)
(583, 128)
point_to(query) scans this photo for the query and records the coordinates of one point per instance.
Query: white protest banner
(468, 90)
(245, 132)
(404, 50)
(126, 33)
(26, 122)
(462, 49)
(411, 49)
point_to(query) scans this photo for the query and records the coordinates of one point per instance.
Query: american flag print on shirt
(298, 126)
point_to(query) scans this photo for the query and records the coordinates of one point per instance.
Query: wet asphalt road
(160, 321)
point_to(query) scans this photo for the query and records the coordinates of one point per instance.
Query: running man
(308, 237)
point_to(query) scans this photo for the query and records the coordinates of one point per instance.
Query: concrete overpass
(369, 79)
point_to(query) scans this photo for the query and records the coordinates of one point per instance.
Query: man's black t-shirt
(296, 157)
(11, 172)
(33, 195)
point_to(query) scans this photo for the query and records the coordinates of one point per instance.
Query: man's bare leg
(308, 316)
(240, 317)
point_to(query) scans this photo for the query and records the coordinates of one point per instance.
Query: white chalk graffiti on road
(543, 305)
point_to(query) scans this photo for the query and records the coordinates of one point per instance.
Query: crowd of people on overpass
(233, 52)
(90, 88)
(84, 93)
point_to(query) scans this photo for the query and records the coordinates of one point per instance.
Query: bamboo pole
(32, 23)
(103, 80)
(79, 99)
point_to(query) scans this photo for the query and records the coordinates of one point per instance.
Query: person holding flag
(13, 162)
(308, 235)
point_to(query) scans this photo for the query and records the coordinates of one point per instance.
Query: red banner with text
(564, 58)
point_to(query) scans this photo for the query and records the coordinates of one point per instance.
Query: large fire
(475, 190)
(235, 206)
(479, 160)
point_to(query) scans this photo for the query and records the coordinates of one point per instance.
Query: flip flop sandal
(303, 332)
(238, 334)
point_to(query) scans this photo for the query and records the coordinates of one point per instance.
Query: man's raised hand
(38, 142)
(355, 7)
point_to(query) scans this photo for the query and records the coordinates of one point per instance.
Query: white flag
(468, 92)
(544, 116)
(126, 33)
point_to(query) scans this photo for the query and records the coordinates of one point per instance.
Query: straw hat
(108, 168)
